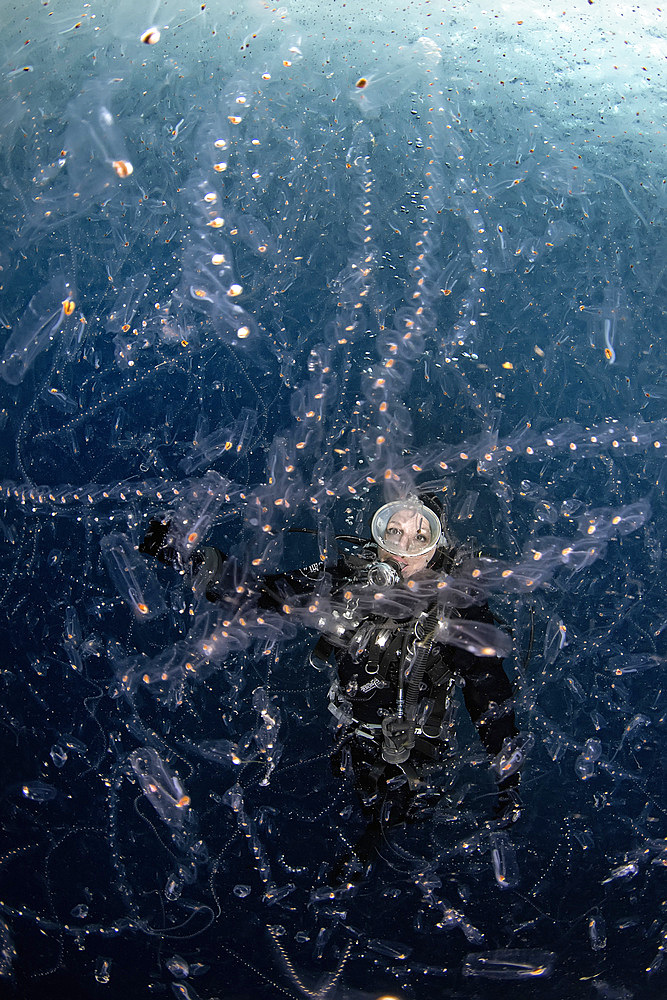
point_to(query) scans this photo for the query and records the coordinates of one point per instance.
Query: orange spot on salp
(151, 36)
(183, 802)
(122, 167)
(361, 83)
(192, 537)
(607, 354)
(143, 608)
(68, 306)
(125, 327)
(446, 291)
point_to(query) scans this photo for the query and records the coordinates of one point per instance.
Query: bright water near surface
(262, 268)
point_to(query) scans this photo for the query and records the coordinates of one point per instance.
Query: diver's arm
(276, 588)
(489, 699)
(206, 565)
(487, 694)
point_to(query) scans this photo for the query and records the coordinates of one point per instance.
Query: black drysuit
(367, 660)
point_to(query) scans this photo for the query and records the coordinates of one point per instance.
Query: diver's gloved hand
(207, 564)
(153, 543)
(154, 537)
(508, 807)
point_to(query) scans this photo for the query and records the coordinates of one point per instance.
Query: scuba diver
(394, 680)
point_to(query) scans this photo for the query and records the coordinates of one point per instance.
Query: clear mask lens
(406, 528)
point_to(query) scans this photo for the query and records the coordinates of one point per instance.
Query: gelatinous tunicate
(262, 272)
(510, 964)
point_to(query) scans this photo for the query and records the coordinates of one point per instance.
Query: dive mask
(406, 528)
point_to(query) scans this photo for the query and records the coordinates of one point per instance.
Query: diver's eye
(392, 531)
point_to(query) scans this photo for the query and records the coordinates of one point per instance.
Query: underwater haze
(262, 269)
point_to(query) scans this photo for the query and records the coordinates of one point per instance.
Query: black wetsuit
(365, 694)
(367, 659)
(367, 681)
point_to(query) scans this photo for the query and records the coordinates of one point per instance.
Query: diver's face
(409, 532)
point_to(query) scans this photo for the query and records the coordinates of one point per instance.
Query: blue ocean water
(262, 269)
